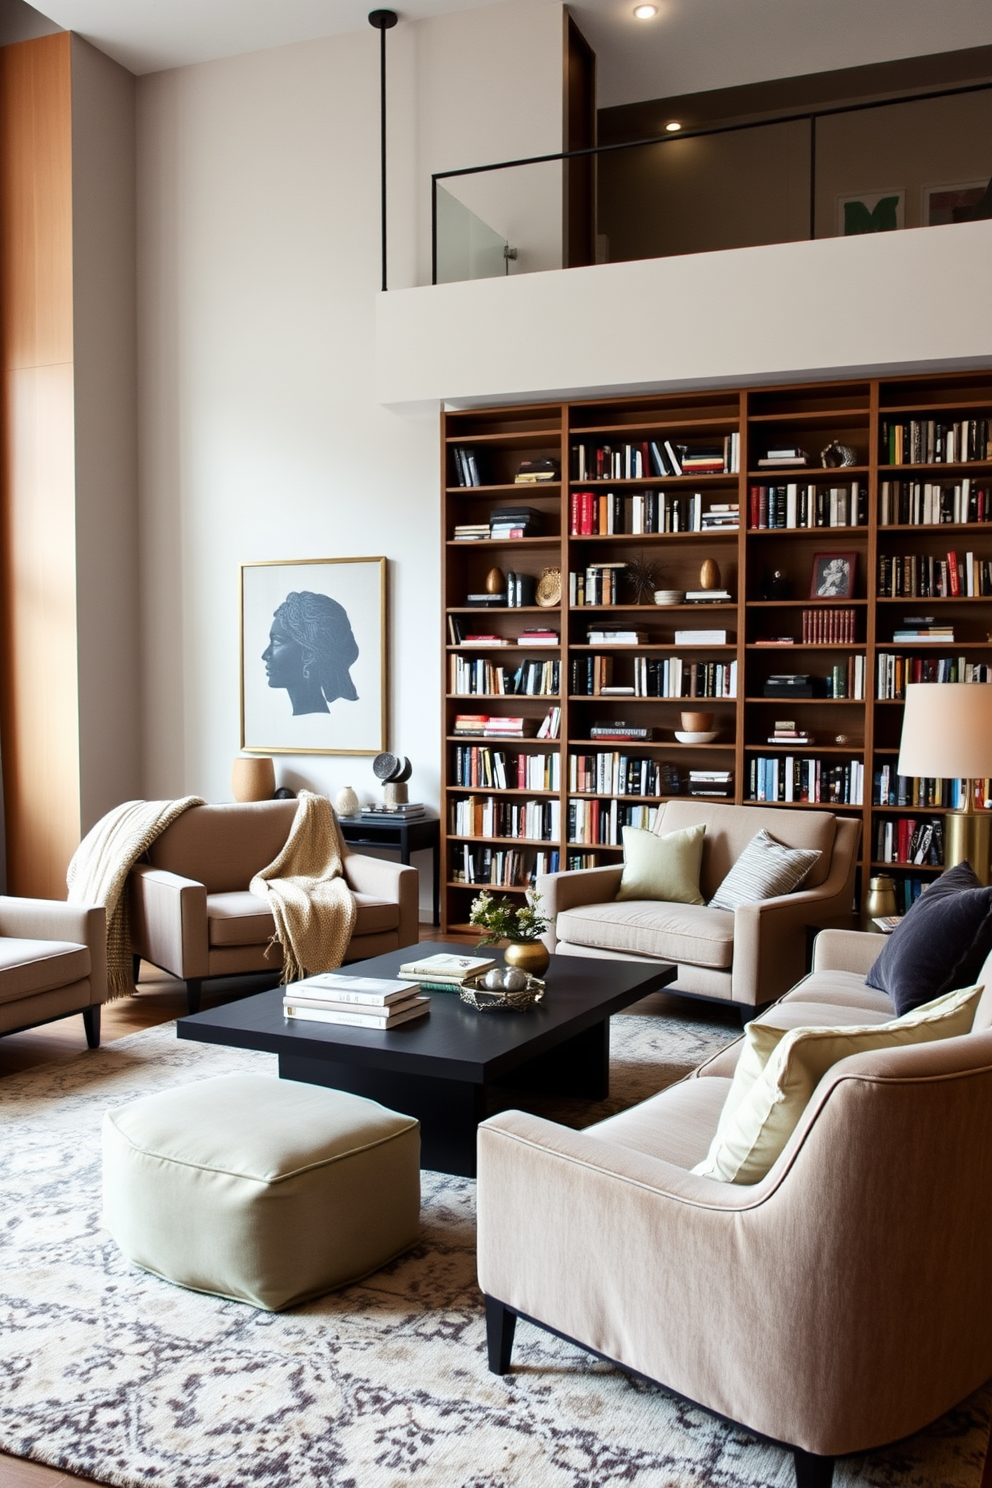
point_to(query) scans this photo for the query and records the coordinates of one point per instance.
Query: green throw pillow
(662, 867)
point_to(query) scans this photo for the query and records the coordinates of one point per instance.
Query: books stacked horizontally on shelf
(615, 774)
(515, 521)
(353, 1001)
(787, 731)
(641, 459)
(722, 515)
(618, 730)
(550, 724)
(489, 726)
(466, 466)
(476, 764)
(922, 576)
(791, 685)
(444, 972)
(401, 811)
(483, 639)
(471, 531)
(907, 840)
(487, 816)
(846, 679)
(604, 821)
(892, 672)
(784, 455)
(708, 596)
(891, 789)
(615, 636)
(502, 868)
(468, 676)
(537, 472)
(599, 584)
(790, 778)
(537, 635)
(719, 783)
(807, 506)
(922, 631)
(927, 504)
(935, 441)
(701, 637)
(829, 625)
(486, 601)
(774, 640)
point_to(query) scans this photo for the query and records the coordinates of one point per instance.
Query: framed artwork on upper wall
(871, 212)
(313, 656)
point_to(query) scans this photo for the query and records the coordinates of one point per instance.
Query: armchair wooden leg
(91, 1023)
(813, 1471)
(500, 1325)
(194, 986)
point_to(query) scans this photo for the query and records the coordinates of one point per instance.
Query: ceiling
(690, 46)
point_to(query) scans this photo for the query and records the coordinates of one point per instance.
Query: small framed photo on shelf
(833, 575)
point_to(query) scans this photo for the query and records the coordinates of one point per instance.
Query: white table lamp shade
(947, 730)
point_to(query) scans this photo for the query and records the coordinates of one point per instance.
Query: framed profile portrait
(313, 656)
(833, 575)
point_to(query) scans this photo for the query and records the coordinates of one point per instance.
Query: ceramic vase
(530, 956)
(346, 803)
(253, 777)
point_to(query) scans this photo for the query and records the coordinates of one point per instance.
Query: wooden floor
(160, 999)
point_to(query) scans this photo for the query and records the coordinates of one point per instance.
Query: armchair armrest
(393, 882)
(168, 921)
(846, 950)
(54, 919)
(571, 888)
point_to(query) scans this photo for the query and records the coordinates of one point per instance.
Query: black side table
(403, 837)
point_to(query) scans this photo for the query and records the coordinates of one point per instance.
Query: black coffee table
(444, 1068)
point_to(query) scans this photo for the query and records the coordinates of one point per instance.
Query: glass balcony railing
(920, 161)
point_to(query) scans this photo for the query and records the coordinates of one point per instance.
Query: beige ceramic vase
(253, 778)
(529, 956)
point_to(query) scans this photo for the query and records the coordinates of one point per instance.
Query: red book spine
(587, 509)
(953, 573)
(521, 772)
(575, 510)
(755, 506)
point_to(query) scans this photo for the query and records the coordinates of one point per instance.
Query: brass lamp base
(968, 837)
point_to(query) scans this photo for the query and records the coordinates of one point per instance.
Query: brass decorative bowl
(500, 1000)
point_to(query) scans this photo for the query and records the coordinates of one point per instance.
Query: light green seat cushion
(662, 867)
(263, 1190)
(779, 1068)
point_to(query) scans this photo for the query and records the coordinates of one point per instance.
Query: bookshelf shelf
(744, 424)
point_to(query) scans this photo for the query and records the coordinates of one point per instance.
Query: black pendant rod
(383, 21)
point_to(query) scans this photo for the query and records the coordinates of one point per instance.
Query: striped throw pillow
(764, 869)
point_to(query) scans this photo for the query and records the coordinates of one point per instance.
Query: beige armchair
(841, 1303)
(748, 956)
(53, 963)
(191, 912)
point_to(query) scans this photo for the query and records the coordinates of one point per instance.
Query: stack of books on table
(402, 811)
(353, 1001)
(444, 972)
(787, 732)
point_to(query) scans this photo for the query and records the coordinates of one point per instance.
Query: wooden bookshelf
(768, 571)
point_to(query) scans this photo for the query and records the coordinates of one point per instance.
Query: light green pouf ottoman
(262, 1190)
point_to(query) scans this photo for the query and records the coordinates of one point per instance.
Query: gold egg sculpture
(495, 582)
(709, 575)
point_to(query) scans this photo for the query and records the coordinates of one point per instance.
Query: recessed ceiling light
(645, 12)
(673, 126)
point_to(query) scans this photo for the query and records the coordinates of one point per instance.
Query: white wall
(261, 436)
(789, 310)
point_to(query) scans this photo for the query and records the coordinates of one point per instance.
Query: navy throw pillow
(940, 944)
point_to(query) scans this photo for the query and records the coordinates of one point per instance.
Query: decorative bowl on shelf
(694, 736)
(669, 596)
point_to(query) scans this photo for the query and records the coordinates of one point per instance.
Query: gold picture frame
(314, 677)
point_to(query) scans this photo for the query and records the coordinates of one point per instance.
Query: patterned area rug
(113, 1374)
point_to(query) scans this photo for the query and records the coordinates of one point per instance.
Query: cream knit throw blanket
(100, 866)
(313, 907)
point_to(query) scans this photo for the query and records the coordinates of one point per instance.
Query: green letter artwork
(882, 217)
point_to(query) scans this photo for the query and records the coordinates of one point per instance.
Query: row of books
(468, 676)
(462, 632)
(891, 789)
(807, 506)
(354, 1001)
(846, 679)
(922, 576)
(610, 773)
(893, 672)
(466, 465)
(643, 458)
(494, 726)
(477, 764)
(935, 441)
(498, 867)
(907, 840)
(610, 513)
(671, 677)
(793, 778)
(504, 522)
(603, 821)
(829, 625)
(488, 816)
(927, 504)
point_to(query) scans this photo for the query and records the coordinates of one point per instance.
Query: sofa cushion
(778, 1071)
(30, 966)
(242, 919)
(665, 868)
(677, 1125)
(842, 989)
(940, 944)
(729, 829)
(764, 870)
(672, 932)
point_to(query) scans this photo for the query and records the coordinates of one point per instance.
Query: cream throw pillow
(779, 1069)
(662, 867)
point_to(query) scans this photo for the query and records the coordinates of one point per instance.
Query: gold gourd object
(709, 574)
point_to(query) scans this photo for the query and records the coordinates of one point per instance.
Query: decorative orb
(493, 980)
(514, 980)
